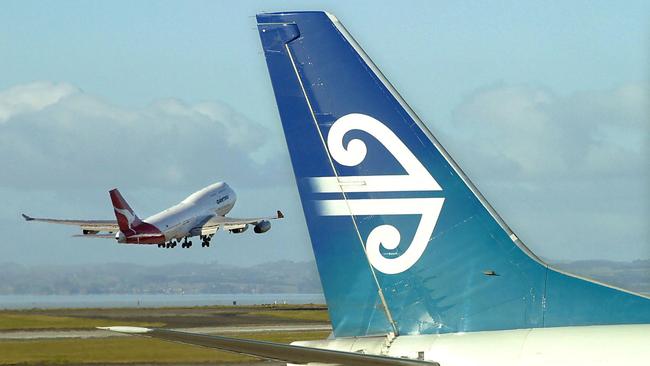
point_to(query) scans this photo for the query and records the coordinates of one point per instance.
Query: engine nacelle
(239, 230)
(262, 227)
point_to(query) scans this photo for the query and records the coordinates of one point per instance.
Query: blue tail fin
(403, 241)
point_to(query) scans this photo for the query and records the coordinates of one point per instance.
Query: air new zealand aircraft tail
(403, 241)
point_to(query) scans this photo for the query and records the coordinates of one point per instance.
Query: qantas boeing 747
(200, 214)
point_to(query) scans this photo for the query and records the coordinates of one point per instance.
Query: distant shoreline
(195, 284)
(21, 302)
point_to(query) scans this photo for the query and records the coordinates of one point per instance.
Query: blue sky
(545, 105)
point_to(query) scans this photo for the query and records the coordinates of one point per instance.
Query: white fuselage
(178, 221)
(627, 345)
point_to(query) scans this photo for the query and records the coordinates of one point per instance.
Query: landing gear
(205, 240)
(186, 244)
(169, 244)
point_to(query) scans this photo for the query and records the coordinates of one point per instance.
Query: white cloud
(569, 173)
(541, 134)
(56, 136)
(32, 97)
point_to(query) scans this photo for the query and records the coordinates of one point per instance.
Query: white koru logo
(416, 179)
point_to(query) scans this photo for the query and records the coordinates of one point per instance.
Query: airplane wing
(230, 223)
(273, 351)
(89, 227)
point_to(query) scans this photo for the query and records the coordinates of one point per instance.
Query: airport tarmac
(99, 333)
(70, 337)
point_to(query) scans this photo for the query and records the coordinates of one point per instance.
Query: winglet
(28, 218)
(127, 330)
(280, 215)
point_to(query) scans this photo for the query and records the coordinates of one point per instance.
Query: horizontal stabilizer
(275, 351)
(95, 236)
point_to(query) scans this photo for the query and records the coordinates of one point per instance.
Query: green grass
(16, 321)
(130, 350)
(91, 318)
(107, 350)
(306, 315)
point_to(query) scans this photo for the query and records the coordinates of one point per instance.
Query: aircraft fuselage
(559, 346)
(184, 219)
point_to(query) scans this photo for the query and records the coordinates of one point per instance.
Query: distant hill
(633, 276)
(217, 278)
(187, 278)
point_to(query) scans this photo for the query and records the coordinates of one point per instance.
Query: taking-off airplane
(417, 268)
(200, 214)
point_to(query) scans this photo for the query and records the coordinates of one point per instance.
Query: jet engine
(262, 227)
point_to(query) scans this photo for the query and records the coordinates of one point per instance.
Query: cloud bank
(571, 172)
(55, 136)
(568, 172)
(542, 135)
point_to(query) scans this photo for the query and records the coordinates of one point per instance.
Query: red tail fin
(126, 218)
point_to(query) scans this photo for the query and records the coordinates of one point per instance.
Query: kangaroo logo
(128, 215)
(416, 179)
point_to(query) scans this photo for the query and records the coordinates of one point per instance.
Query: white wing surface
(274, 351)
(231, 223)
(88, 227)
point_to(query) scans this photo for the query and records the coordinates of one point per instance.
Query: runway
(98, 333)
